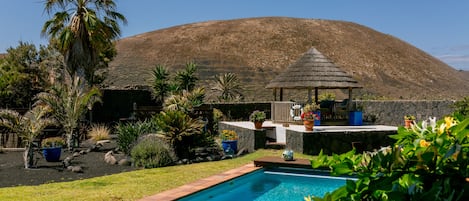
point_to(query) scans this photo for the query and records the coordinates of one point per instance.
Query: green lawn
(131, 185)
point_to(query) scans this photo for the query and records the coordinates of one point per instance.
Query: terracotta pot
(408, 123)
(308, 125)
(258, 124)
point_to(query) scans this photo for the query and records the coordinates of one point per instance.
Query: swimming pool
(277, 184)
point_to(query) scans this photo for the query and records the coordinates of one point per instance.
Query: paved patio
(330, 139)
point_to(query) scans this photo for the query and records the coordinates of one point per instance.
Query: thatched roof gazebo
(313, 70)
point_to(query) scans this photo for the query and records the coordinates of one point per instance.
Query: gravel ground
(13, 173)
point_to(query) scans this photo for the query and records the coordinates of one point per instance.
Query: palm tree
(27, 126)
(83, 30)
(161, 85)
(186, 79)
(69, 101)
(227, 87)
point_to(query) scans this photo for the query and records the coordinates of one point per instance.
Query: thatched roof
(313, 70)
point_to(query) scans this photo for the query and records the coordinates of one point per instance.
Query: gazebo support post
(281, 94)
(309, 95)
(316, 95)
(275, 94)
(349, 103)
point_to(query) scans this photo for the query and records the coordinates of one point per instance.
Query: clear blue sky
(440, 28)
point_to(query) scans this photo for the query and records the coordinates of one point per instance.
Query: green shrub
(152, 152)
(428, 162)
(217, 117)
(462, 107)
(179, 128)
(128, 133)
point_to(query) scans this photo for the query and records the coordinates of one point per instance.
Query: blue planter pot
(230, 146)
(52, 154)
(355, 118)
(317, 122)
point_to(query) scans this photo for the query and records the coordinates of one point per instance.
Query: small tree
(28, 127)
(22, 73)
(160, 83)
(186, 79)
(227, 87)
(69, 102)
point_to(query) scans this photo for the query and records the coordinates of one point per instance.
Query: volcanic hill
(258, 49)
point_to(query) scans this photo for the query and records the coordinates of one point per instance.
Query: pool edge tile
(196, 186)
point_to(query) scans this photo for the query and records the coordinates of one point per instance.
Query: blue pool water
(270, 185)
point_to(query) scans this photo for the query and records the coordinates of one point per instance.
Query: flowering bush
(228, 135)
(309, 116)
(308, 112)
(428, 162)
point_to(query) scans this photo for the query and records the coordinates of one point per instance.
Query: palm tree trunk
(70, 140)
(28, 156)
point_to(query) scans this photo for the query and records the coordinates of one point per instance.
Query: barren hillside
(257, 49)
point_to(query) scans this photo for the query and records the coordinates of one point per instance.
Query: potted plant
(356, 115)
(408, 120)
(229, 141)
(314, 108)
(309, 116)
(52, 148)
(258, 117)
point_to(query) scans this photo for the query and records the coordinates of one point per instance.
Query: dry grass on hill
(257, 49)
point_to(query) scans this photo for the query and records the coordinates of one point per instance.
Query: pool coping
(187, 189)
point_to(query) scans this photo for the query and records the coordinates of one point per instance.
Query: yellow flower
(449, 122)
(229, 135)
(424, 143)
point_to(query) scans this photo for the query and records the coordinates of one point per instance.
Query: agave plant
(69, 102)
(28, 127)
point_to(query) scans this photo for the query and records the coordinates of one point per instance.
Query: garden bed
(13, 173)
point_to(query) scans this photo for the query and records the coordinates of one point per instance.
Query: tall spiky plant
(227, 87)
(186, 79)
(161, 85)
(69, 102)
(27, 126)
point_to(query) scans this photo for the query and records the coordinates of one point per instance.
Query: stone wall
(337, 142)
(249, 139)
(393, 112)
